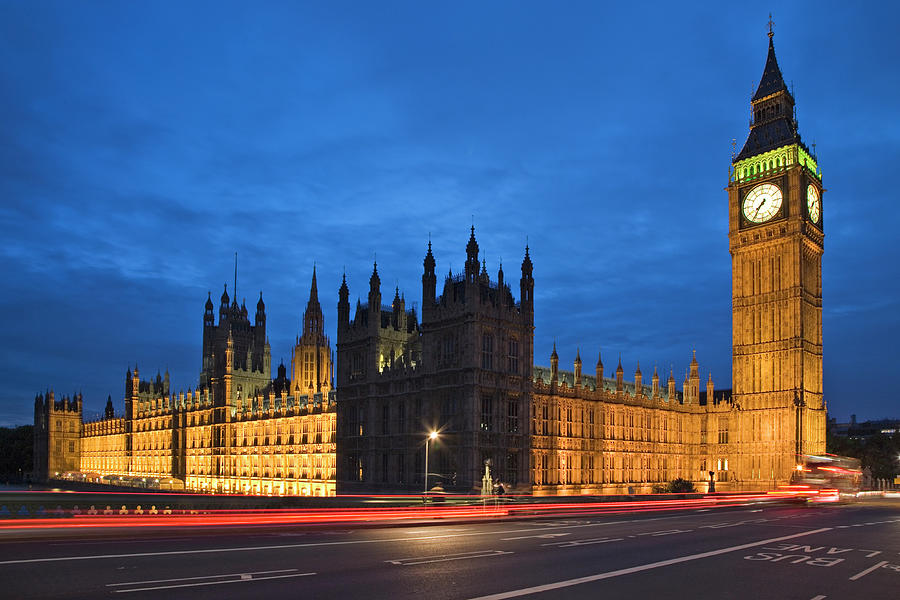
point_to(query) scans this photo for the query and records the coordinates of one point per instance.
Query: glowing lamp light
(433, 435)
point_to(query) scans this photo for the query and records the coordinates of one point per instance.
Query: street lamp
(431, 436)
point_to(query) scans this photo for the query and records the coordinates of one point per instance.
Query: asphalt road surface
(790, 552)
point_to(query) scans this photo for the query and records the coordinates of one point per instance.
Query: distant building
(239, 432)
(863, 430)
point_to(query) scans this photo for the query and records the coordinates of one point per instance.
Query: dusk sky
(144, 143)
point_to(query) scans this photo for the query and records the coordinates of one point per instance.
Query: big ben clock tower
(776, 241)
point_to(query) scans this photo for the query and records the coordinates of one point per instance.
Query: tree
(681, 486)
(879, 453)
(16, 458)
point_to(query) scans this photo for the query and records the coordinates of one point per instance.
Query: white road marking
(241, 580)
(446, 557)
(313, 544)
(862, 574)
(201, 577)
(587, 542)
(818, 597)
(663, 563)
(543, 536)
(334, 543)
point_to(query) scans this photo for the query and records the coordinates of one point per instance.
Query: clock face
(812, 203)
(762, 203)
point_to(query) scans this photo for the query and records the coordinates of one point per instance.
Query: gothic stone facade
(464, 371)
(239, 431)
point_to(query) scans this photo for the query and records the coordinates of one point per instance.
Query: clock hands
(761, 203)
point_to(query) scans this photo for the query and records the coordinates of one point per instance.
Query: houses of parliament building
(464, 368)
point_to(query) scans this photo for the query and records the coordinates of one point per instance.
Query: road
(790, 552)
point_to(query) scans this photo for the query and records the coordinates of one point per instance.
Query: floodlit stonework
(240, 431)
(466, 370)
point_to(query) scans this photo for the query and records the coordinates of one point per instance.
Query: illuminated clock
(762, 203)
(812, 203)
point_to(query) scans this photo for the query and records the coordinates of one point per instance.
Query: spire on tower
(314, 288)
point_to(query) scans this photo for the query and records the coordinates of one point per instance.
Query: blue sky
(144, 143)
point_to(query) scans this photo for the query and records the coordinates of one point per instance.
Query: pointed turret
(129, 382)
(472, 258)
(554, 366)
(260, 311)
(429, 280)
(343, 304)
(209, 318)
(620, 376)
(709, 390)
(671, 385)
(599, 370)
(526, 284)
(577, 367)
(692, 388)
(223, 306)
(654, 383)
(638, 381)
(375, 291)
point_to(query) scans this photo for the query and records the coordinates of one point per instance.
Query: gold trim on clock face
(762, 203)
(813, 203)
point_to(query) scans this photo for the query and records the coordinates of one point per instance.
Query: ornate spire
(313, 320)
(554, 355)
(772, 123)
(429, 262)
(313, 288)
(527, 267)
(772, 80)
(472, 246)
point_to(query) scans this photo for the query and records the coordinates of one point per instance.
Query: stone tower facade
(464, 372)
(57, 435)
(776, 242)
(237, 359)
(311, 367)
